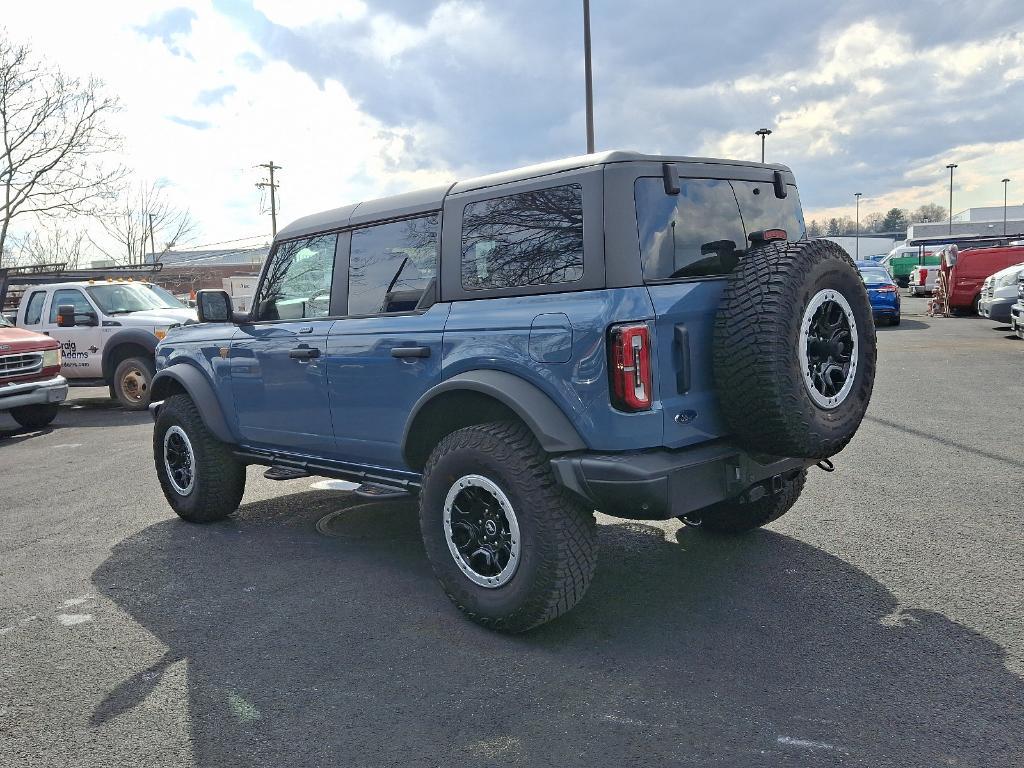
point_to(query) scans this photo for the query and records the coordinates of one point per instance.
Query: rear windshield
(703, 230)
(874, 275)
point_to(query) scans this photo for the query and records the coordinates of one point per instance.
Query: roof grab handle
(671, 178)
(780, 185)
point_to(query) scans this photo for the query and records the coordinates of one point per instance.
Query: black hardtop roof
(427, 200)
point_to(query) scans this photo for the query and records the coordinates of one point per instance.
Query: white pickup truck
(107, 329)
(922, 280)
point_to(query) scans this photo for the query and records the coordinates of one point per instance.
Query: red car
(966, 270)
(31, 386)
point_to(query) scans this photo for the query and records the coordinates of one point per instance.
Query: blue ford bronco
(646, 336)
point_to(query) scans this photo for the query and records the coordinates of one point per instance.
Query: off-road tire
(35, 416)
(219, 476)
(737, 516)
(145, 370)
(558, 550)
(764, 400)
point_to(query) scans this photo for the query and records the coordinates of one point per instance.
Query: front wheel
(35, 416)
(510, 547)
(739, 516)
(133, 378)
(200, 476)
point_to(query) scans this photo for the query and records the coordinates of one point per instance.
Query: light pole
(1006, 183)
(951, 166)
(857, 237)
(763, 133)
(588, 72)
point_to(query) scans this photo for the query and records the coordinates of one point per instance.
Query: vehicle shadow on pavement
(304, 649)
(905, 325)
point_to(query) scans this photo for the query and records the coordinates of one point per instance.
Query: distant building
(987, 220)
(870, 245)
(187, 271)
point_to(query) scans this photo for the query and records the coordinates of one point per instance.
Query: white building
(987, 220)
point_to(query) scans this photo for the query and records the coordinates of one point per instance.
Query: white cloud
(302, 13)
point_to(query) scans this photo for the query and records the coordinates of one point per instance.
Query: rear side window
(530, 238)
(34, 308)
(392, 266)
(703, 230)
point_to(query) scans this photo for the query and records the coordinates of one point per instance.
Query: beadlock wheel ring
(482, 531)
(828, 349)
(179, 461)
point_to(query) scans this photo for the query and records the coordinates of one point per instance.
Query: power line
(273, 193)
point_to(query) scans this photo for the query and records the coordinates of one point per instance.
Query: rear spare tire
(794, 349)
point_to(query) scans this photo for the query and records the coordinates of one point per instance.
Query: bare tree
(139, 213)
(54, 140)
(49, 245)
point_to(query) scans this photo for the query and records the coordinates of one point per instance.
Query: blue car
(652, 337)
(883, 292)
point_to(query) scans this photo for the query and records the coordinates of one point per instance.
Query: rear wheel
(35, 416)
(133, 378)
(200, 476)
(510, 547)
(739, 515)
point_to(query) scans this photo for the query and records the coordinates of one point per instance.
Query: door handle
(410, 351)
(304, 353)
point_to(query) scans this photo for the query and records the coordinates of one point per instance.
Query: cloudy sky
(359, 98)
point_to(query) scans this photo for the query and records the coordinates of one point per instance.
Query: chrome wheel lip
(820, 399)
(180, 488)
(506, 573)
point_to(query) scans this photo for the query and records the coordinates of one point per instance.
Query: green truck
(902, 259)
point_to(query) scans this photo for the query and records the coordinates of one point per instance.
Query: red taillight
(887, 289)
(923, 276)
(630, 366)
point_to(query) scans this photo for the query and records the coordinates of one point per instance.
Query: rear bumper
(53, 390)
(661, 484)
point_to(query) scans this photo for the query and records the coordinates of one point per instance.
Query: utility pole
(152, 240)
(951, 166)
(857, 236)
(763, 133)
(273, 193)
(1006, 182)
(589, 77)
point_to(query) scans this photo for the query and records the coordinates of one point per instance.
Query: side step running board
(277, 472)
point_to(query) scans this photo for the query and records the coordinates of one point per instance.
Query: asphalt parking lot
(879, 623)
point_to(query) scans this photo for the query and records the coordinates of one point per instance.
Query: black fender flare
(549, 424)
(139, 336)
(198, 387)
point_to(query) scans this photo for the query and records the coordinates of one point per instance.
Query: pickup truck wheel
(35, 416)
(200, 476)
(737, 516)
(133, 378)
(794, 349)
(510, 547)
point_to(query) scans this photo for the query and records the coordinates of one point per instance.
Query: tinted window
(298, 280)
(874, 275)
(532, 238)
(69, 296)
(391, 266)
(761, 209)
(697, 232)
(700, 231)
(34, 309)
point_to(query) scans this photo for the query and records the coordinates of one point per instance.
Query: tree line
(64, 195)
(894, 221)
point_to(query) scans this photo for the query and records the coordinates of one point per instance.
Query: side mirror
(213, 306)
(66, 316)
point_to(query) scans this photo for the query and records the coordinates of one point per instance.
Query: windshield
(122, 298)
(169, 300)
(870, 275)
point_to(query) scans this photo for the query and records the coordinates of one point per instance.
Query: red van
(966, 270)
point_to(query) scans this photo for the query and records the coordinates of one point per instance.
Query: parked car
(902, 259)
(966, 270)
(31, 387)
(999, 293)
(1017, 310)
(883, 292)
(642, 335)
(108, 331)
(923, 280)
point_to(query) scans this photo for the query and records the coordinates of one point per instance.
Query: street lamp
(857, 237)
(1006, 183)
(951, 166)
(589, 77)
(763, 133)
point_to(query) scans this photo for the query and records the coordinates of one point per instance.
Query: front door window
(297, 284)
